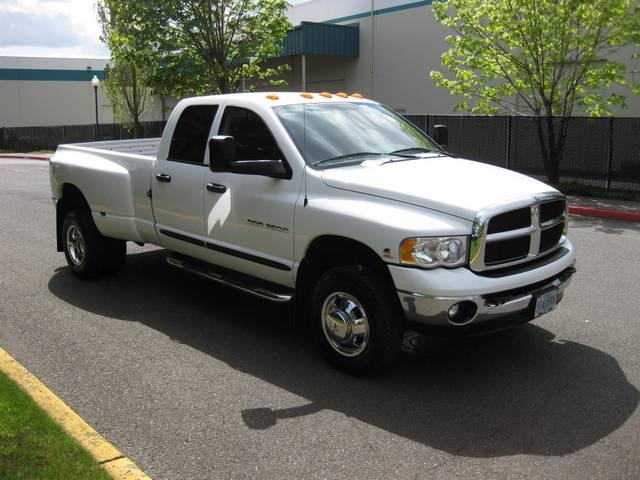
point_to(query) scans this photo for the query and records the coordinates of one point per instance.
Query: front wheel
(357, 320)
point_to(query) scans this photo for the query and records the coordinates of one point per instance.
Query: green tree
(198, 46)
(541, 58)
(127, 89)
(129, 44)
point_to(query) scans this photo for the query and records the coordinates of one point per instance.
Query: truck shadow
(518, 392)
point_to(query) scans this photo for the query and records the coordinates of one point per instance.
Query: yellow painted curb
(118, 466)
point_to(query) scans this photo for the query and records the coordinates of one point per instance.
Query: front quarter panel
(379, 223)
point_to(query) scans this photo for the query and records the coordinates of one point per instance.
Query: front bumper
(495, 301)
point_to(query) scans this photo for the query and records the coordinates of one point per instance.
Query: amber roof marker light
(272, 96)
(357, 95)
(306, 95)
(326, 95)
(342, 95)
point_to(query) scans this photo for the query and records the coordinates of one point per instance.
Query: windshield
(348, 132)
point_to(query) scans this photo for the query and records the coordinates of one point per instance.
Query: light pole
(95, 82)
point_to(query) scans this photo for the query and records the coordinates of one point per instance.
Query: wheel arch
(71, 199)
(328, 251)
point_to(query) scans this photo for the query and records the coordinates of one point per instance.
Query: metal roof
(310, 38)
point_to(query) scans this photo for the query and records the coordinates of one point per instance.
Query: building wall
(400, 43)
(37, 91)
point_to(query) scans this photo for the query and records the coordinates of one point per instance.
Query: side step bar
(254, 286)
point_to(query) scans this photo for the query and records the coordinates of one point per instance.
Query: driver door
(249, 218)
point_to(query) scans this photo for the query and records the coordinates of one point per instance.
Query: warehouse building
(383, 49)
(43, 91)
(394, 46)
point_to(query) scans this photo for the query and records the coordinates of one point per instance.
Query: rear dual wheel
(87, 251)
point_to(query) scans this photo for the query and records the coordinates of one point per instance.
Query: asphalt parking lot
(193, 381)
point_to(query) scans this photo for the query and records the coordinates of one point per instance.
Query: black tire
(116, 254)
(88, 261)
(367, 289)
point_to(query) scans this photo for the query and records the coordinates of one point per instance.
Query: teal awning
(310, 38)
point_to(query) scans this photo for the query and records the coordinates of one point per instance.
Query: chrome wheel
(75, 245)
(345, 324)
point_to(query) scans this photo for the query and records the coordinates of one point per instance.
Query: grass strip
(33, 446)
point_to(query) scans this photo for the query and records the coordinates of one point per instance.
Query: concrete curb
(602, 213)
(26, 156)
(113, 461)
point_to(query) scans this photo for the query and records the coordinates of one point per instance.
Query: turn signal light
(406, 250)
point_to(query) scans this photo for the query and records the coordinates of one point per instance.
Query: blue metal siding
(382, 11)
(49, 75)
(311, 38)
(294, 42)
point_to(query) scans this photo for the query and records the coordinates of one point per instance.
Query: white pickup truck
(333, 201)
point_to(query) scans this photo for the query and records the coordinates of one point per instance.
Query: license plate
(545, 302)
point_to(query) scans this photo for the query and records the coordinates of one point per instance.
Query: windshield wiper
(349, 155)
(404, 153)
(363, 154)
(416, 150)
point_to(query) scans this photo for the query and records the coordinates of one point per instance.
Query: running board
(245, 283)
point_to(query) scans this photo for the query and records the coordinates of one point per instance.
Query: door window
(189, 141)
(253, 139)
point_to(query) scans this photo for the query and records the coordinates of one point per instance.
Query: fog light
(462, 313)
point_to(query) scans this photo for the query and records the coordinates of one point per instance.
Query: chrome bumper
(432, 311)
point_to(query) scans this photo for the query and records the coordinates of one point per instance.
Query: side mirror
(266, 168)
(222, 152)
(441, 135)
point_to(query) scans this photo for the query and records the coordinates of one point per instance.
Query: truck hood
(450, 185)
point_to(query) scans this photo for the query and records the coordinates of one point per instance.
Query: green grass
(574, 188)
(34, 447)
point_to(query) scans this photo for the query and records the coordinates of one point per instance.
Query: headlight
(432, 252)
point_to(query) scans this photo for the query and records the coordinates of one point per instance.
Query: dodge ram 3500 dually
(333, 201)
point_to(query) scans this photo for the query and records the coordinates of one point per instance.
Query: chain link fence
(602, 152)
(29, 139)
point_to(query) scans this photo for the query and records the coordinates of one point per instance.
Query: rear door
(178, 183)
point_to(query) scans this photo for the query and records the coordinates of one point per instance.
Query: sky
(52, 28)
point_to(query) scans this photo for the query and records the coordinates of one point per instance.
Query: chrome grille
(517, 233)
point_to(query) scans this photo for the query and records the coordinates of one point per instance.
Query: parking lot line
(118, 466)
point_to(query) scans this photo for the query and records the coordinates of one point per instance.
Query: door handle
(216, 188)
(163, 177)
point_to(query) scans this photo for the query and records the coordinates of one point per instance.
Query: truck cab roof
(272, 99)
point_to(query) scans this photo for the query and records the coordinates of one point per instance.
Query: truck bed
(115, 178)
(147, 147)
